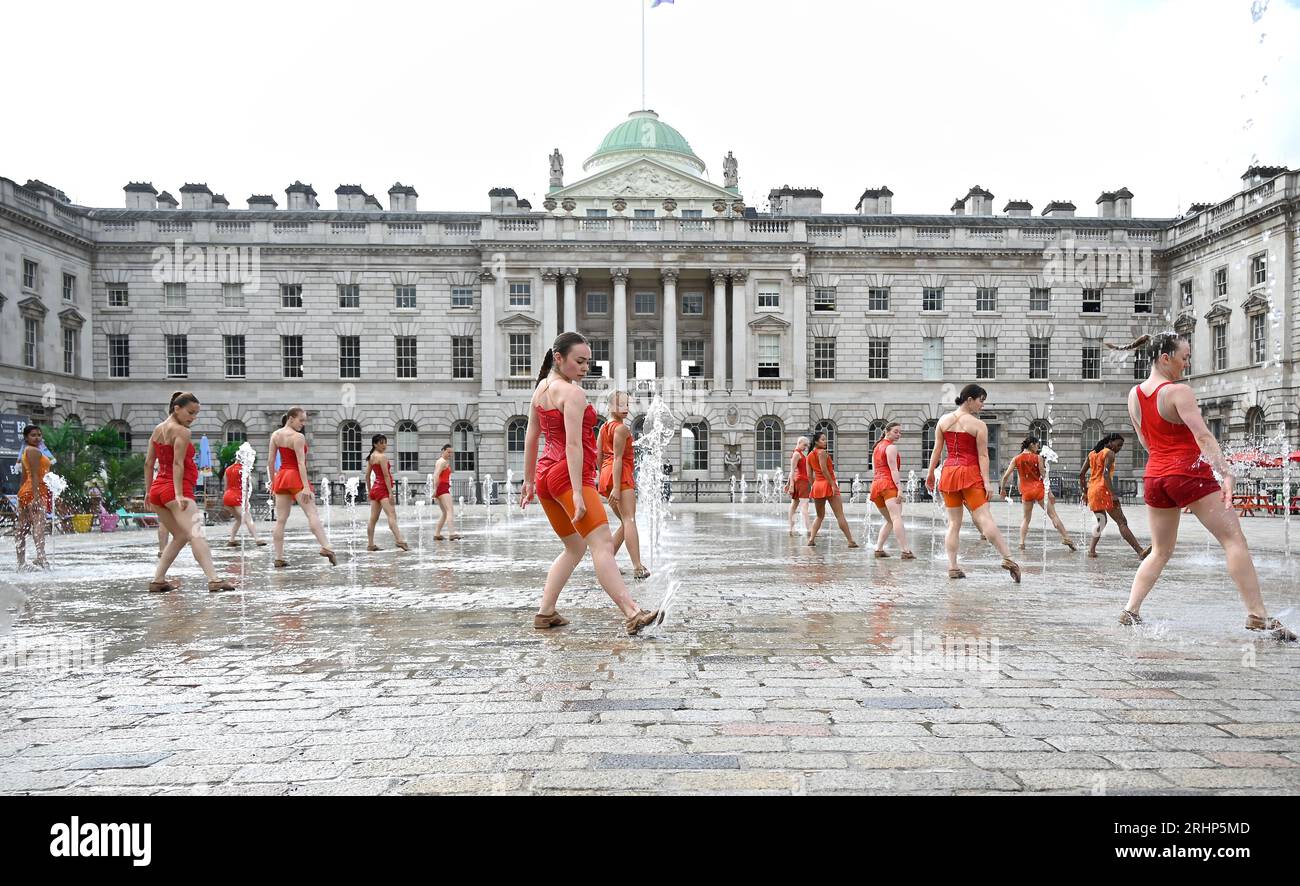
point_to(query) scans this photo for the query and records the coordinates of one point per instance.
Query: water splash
(56, 485)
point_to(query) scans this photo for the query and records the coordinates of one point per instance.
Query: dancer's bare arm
(573, 400)
(1189, 413)
(1006, 475)
(150, 459)
(300, 450)
(1106, 470)
(180, 449)
(270, 462)
(891, 459)
(622, 440)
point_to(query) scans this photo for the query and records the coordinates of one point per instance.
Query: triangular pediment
(643, 178)
(1254, 304)
(33, 307)
(71, 317)
(1185, 324)
(519, 321)
(1218, 312)
(769, 321)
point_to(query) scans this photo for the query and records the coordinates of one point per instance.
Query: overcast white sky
(1040, 99)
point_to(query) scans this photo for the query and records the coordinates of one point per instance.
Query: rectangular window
(119, 356)
(1220, 334)
(178, 356)
(878, 298)
(70, 350)
(349, 295)
(236, 364)
(407, 356)
(1185, 292)
(1221, 283)
(824, 298)
(692, 304)
(878, 358)
(521, 294)
(597, 303)
(1258, 269)
(824, 359)
(291, 295)
(986, 298)
(1216, 428)
(408, 449)
(1091, 362)
(1040, 298)
(645, 350)
(1092, 301)
(1258, 339)
(1144, 301)
(643, 303)
(31, 273)
(521, 355)
(769, 356)
(932, 359)
(462, 296)
(1040, 357)
(986, 358)
(692, 213)
(349, 356)
(232, 295)
(1141, 364)
(69, 287)
(769, 298)
(404, 297)
(291, 356)
(599, 355)
(30, 338)
(693, 353)
(174, 295)
(462, 356)
(119, 295)
(932, 298)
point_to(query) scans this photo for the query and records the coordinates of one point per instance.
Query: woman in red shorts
(564, 480)
(234, 503)
(379, 478)
(1098, 477)
(1185, 458)
(1031, 468)
(799, 486)
(171, 494)
(887, 474)
(617, 481)
(442, 495)
(289, 484)
(825, 488)
(965, 477)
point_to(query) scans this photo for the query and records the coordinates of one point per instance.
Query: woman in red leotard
(825, 488)
(1098, 477)
(965, 478)
(887, 473)
(799, 486)
(564, 480)
(289, 484)
(33, 498)
(617, 484)
(1032, 468)
(379, 478)
(234, 503)
(442, 495)
(171, 493)
(1185, 458)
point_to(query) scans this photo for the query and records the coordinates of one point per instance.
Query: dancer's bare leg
(1050, 507)
(837, 505)
(622, 526)
(983, 518)
(631, 534)
(807, 524)
(283, 505)
(375, 508)
(601, 544)
(1024, 522)
(184, 527)
(952, 541)
(307, 502)
(886, 529)
(247, 517)
(558, 575)
(448, 515)
(1224, 524)
(1117, 514)
(1096, 533)
(162, 537)
(391, 512)
(895, 506)
(820, 506)
(1163, 523)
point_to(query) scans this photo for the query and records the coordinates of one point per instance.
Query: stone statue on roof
(730, 177)
(557, 169)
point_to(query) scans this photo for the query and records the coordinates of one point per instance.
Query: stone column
(570, 300)
(488, 332)
(672, 364)
(799, 332)
(720, 330)
(550, 307)
(619, 354)
(739, 330)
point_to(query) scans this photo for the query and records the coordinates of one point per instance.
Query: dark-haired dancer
(171, 494)
(886, 477)
(1101, 497)
(799, 486)
(564, 479)
(233, 500)
(617, 484)
(291, 484)
(379, 477)
(1032, 467)
(33, 498)
(826, 488)
(442, 495)
(1181, 473)
(965, 478)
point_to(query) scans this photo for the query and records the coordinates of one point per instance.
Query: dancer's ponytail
(181, 399)
(563, 343)
(547, 363)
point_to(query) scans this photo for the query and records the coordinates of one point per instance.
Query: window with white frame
(1219, 332)
(1040, 298)
(119, 295)
(878, 298)
(644, 303)
(986, 358)
(404, 297)
(349, 296)
(599, 355)
(407, 352)
(71, 348)
(69, 287)
(1040, 358)
(1259, 269)
(31, 274)
(929, 431)
(1255, 426)
(1258, 338)
(178, 356)
(645, 350)
(1221, 283)
(1186, 294)
(232, 295)
(31, 336)
(1092, 301)
(236, 363)
(174, 295)
(408, 446)
(119, 356)
(824, 359)
(349, 356)
(824, 298)
(768, 445)
(521, 294)
(1216, 428)
(1144, 301)
(462, 296)
(516, 438)
(597, 303)
(521, 354)
(291, 295)
(235, 432)
(932, 358)
(827, 426)
(769, 297)
(693, 350)
(695, 446)
(878, 358)
(1091, 369)
(1141, 364)
(986, 298)
(932, 298)
(465, 456)
(291, 356)
(462, 356)
(350, 459)
(692, 304)
(769, 356)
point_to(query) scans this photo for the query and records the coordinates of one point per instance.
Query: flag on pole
(654, 3)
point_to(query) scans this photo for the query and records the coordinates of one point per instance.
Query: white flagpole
(642, 2)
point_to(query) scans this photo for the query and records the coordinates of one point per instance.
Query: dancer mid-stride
(233, 500)
(617, 482)
(171, 493)
(564, 480)
(799, 486)
(33, 498)
(885, 482)
(1031, 467)
(1180, 473)
(1098, 477)
(379, 477)
(442, 495)
(965, 480)
(290, 484)
(826, 488)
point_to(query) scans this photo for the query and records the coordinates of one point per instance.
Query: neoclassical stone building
(429, 325)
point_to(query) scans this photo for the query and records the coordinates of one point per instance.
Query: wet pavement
(780, 669)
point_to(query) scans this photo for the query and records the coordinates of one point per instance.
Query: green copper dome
(645, 134)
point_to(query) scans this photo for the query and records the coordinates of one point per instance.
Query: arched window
(769, 444)
(462, 441)
(235, 432)
(829, 427)
(408, 446)
(1255, 431)
(1140, 454)
(516, 434)
(1040, 428)
(1093, 431)
(695, 446)
(928, 431)
(123, 430)
(74, 420)
(638, 426)
(874, 434)
(350, 447)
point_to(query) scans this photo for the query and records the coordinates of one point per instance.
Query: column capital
(799, 279)
(739, 275)
(670, 275)
(486, 276)
(719, 277)
(550, 275)
(570, 275)
(619, 275)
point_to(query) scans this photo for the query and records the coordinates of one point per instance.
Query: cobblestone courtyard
(779, 669)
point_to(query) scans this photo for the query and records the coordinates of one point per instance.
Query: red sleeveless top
(800, 467)
(554, 453)
(606, 442)
(1174, 451)
(883, 477)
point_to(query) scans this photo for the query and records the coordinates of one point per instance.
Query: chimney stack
(262, 202)
(979, 201)
(166, 201)
(1106, 205)
(1019, 208)
(301, 196)
(401, 198)
(1059, 209)
(195, 196)
(349, 198)
(503, 200)
(1123, 203)
(219, 201)
(141, 195)
(795, 201)
(958, 207)
(1257, 175)
(876, 201)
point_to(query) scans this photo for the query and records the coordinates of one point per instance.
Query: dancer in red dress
(1098, 477)
(442, 495)
(379, 477)
(617, 483)
(826, 488)
(233, 500)
(887, 474)
(33, 498)
(290, 484)
(799, 486)
(1032, 468)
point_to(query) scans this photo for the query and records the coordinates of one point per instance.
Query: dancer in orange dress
(887, 474)
(1102, 500)
(171, 494)
(564, 480)
(1031, 467)
(442, 495)
(965, 479)
(379, 479)
(826, 488)
(290, 484)
(234, 504)
(617, 483)
(1180, 473)
(799, 486)
(33, 498)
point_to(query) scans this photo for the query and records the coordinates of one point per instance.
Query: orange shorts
(1100, 501)
(560, 512)
(288, 482)
(606, 483)
(973, 497)
(1032, 492)
(883, 494)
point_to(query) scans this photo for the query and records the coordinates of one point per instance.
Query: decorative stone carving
(549, 204)
(739, 276)
(719, 277)
(569, 204)
(557, 169)
(486, 276)
(731, 461)
(738, 207)
(570, 276)
(669, 275)
(719, 206)
(550, 275)
(670, 206)
(618, 275)
(620, 205)
(730, 172)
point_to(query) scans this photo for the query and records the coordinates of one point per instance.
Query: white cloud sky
(1034, 99)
